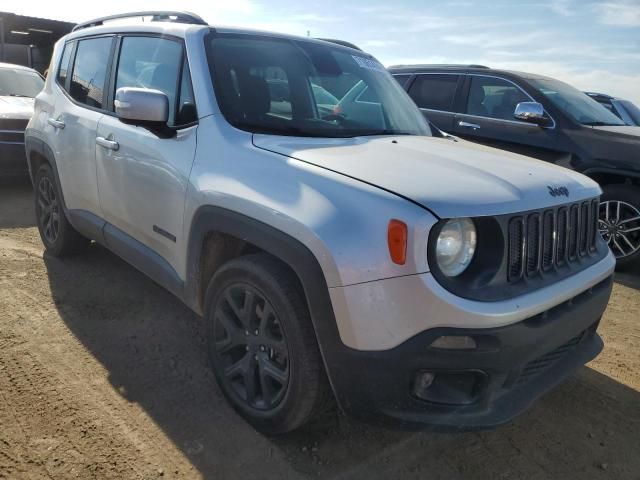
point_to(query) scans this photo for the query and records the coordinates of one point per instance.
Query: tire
(621, 228)
(264, 354)
(58, 236)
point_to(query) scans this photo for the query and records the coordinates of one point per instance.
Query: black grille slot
(593, 223)
(516, 246)
(14, 124)
(573, 232)
(11, 136)
(561, 241)
(540, 242)
(584, 228)
(533, 244)
(548, 236)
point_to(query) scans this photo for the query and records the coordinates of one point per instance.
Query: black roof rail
(444, 65)
(158, 16)
(340, 42)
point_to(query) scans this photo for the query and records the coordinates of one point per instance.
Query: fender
(291, 251)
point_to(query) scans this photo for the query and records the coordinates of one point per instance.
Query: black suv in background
(543, 118)
(625, 110)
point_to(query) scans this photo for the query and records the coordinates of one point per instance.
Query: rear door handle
(110, 144)
(57, 124)
(475, 126)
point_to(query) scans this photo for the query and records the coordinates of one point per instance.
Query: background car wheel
(262, 345)
(58, 236)
(620, 222)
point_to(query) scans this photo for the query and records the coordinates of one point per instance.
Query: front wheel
(57, 234)
(619, 222)
(262, 345)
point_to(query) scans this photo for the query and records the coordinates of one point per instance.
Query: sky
(593, 45)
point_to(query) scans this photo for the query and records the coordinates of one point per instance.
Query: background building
(29, 41)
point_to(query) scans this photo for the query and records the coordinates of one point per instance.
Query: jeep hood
(16, 108)
(449, 178)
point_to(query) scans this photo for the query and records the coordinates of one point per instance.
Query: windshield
(578, 105)
(19, 83)
(632, 110)
(300, 88)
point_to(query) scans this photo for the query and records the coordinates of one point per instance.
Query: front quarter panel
(342, 221)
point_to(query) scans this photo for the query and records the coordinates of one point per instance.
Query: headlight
(455, 246)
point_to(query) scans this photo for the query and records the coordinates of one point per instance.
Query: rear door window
(89, 71)
(64, 65)
(435, 92)
(494, 98)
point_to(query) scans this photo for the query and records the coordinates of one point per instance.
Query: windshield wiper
(380, 132)
(19, 95)
(321, 133)
(287, 131)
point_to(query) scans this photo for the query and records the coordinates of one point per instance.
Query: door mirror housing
(142, 106)
(532, 112)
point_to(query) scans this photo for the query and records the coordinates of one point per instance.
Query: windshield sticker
(368, 63)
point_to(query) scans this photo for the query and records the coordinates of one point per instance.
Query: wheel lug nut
(262, 348)
(246, 333)
(247, 348)
(255, 357)
(256, 332)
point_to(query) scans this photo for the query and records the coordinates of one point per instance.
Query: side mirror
(142, 106)
(532, 112)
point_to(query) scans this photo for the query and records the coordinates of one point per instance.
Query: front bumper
(513, 365)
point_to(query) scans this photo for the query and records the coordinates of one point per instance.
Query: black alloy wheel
(48, 209)
(58, 235)
(262, 344)
(619, 225)
(251, 347)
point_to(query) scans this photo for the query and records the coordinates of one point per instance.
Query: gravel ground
(104, 375)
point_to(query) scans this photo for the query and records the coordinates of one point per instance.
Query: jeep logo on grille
(558, 191)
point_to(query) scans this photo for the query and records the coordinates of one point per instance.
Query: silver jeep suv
(336, 245)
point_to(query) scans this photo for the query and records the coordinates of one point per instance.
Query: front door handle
(110, 144)
(55, 123)
(475, 126)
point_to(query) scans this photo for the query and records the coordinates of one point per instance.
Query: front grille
(12, 130)
(541, 241)
(19, 124)
(546, 361)
(10, 136)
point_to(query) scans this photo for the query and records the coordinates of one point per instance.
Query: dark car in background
(542, 118)
(625, 110)
(18, 87)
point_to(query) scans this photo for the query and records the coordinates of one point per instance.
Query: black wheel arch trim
(287, 249)
(34, 144)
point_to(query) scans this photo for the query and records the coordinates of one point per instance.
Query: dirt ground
(104, 375)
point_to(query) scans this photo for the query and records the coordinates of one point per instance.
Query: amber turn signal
(397, 240)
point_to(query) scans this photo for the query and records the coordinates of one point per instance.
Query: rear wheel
(58, 236)
(620, 222)
(262, 345)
